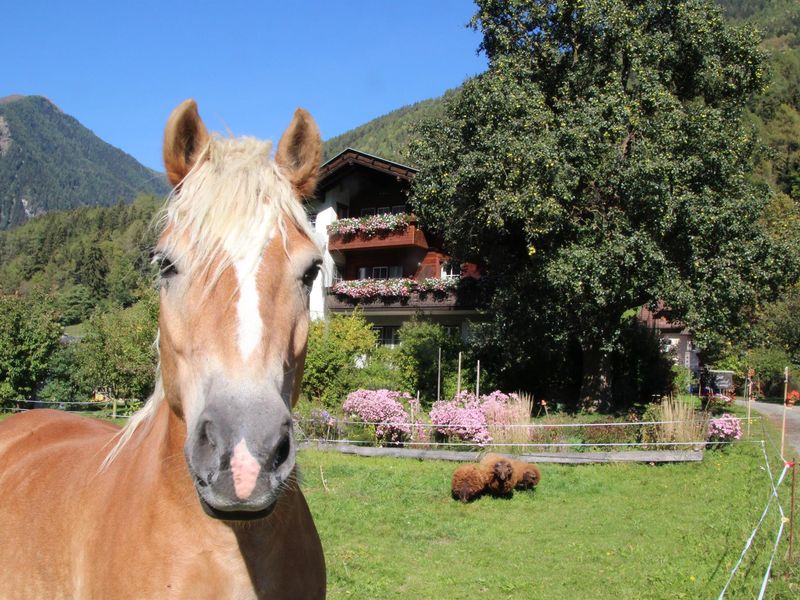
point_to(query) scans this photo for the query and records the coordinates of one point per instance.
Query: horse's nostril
(282, 452)
(207, 433)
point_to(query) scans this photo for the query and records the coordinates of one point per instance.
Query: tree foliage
(602, 163)
(118, 350)
(29, 334)
(334, 347)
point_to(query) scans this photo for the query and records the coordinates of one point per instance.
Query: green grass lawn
(391, 530)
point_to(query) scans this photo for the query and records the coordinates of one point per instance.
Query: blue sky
(120, 67)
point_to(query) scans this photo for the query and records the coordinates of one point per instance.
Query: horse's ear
(300, 152)
(185, 137)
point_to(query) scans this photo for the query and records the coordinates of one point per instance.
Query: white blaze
(250, 324)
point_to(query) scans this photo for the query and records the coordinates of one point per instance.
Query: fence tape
(749, 542)
(516, 425)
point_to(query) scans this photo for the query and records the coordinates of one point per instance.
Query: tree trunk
(595, 379)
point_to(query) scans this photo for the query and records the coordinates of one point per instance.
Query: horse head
(237, 259)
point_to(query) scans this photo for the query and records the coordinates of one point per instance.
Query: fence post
(748, 396)
(439, 377)
(114, 407)
(478, 380)
(791, 510)
(458, 386)
(785, 399)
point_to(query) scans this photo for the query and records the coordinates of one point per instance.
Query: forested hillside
(776, 112)
(49, 161)
(85, 257)
(387, 136)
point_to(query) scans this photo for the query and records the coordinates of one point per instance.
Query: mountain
(49, 161)
(388, 136)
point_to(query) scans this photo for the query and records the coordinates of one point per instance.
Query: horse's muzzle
(239, 472)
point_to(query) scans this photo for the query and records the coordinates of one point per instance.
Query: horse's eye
(311, 274)
(166, 268)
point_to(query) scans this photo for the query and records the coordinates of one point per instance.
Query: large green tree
(601, 163)
(29, 334)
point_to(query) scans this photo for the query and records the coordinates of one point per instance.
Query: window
(399, 209)
(384, 210)
(342, 211)
(388, 335)
(451, 269)
(380, 272)
(452, 331)
(367, 212)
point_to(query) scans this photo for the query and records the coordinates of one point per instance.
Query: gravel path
(775, 414)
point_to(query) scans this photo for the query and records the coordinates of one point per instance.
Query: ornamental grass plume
(508, 417)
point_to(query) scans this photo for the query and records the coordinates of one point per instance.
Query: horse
(197, 496)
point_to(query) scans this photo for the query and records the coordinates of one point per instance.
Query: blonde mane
(231, 201)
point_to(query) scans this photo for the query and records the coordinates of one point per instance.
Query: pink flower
(385, 410)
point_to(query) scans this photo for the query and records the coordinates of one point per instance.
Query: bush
(683, 378)
(726, 428)
(118, 352)
(610, 434)
(460, 419)
(469, 419)
(63, 377)
(318, 424)
(334, 346)
(769, 364)
(381, 370)
(384, 410)
(418, 355)
(29, 334)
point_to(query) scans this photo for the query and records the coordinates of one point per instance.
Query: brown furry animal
(526, 475)
(501, 474)
(469, 482)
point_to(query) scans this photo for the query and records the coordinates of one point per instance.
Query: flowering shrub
(724, 429)
(468, 418)
(319, 424)
(461, 418)
(368, 289)
(717, 404)
(385, 410)
(369, 226)
(792, 398)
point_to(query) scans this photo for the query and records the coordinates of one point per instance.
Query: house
(675, 336)
(377, 256)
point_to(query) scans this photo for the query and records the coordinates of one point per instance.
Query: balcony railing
(376, 294)
(376, 231)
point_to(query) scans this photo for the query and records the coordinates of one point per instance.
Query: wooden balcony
(409, 237)
(457, 300)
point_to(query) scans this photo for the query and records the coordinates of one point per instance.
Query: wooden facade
(354, 185)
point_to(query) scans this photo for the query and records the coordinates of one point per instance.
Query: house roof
(349, 158)
(660, 318)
